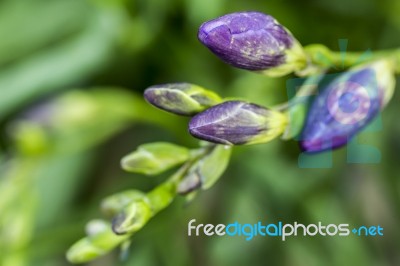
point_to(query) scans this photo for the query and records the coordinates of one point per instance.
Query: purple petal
(342, 110)
(232, 122)
(249, 40)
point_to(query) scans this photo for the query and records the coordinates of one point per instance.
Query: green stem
(196, 155)
(323, 57)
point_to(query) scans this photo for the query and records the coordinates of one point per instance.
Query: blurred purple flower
(346, 106)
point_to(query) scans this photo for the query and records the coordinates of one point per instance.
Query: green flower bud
(136, 214)
(154, 158)
(99, 242)
(95, 227)
(132, 218)
(115, 203)
(181, 98)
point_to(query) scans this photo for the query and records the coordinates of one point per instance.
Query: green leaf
(213, 165)
(297, 116)
(26, 25)
(80, 119)
(154, 158)
(67, 63)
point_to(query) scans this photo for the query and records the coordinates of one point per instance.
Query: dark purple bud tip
(341, 110)
(237, 122)
(248, 40)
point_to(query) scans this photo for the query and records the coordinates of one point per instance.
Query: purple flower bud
(253, 41)
(237, 122)
(346, 106)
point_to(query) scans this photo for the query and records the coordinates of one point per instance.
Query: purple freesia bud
(237, 122)
(347, 105)
(253, 41)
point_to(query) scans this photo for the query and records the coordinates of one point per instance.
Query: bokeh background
(72, 75)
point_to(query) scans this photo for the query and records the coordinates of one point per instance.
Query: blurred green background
(72, 75)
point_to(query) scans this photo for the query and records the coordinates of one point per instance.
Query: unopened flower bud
(347, 105)
(99, 242)
(237, 122)
(181, 98)
(134, 216)
(115, 203)
(253, 41)
(95, 227)
(154, 158)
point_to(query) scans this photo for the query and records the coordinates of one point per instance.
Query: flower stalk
(257, 42)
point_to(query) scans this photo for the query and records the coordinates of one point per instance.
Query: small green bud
(136, 214)
(115, 203)
(181, 98)
(154, 158)
(99, 242)
(132, 218)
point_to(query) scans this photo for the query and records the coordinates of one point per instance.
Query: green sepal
(206, 170)
(212, 166)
